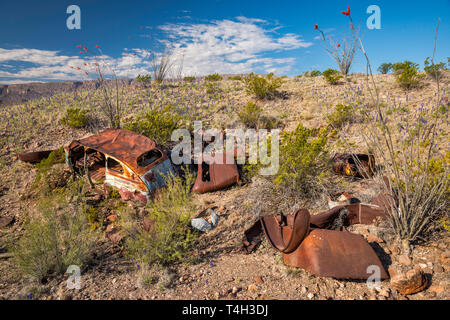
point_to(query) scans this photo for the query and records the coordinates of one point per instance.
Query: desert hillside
(212, 265)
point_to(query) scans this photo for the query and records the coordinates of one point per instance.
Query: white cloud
(224, 46)
(228, 46)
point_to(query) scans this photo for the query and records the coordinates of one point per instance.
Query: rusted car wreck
(125, 160)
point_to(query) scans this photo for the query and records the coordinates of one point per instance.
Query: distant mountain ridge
(21, 93)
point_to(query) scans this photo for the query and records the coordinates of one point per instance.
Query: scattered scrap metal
(355, 165)
(311, 242)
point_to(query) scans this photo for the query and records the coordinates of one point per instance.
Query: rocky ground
(217, 267)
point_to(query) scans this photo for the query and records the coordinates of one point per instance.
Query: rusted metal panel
(285, 233)
(34, 157)
(124, 145)
(355, 165)
(215, 176)
(365, 213)
(336, 254)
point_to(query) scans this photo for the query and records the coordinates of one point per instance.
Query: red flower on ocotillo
(338, 45)
(97, 46)
(79, 46)
(347, 13)
(316, 26)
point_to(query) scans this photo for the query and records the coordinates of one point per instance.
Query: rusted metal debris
(125, 160)
(34, 157)
(336, 254)
(355, 165)
(307, 242)
(214, 176)
(285, 233)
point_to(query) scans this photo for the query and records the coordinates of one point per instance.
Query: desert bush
(303, 159)
(262, 87)
(407, 75)
(332, 76)
(213, 77)
(212, 88)
(433, 70)
(55, 238)
(144, 79)
(75, 118)
(236, 78)
(157, 124)
(189, 79)
(48, 177)
(417, 189)
(315, 73)
(385, 68)
(341, 115)
(169, 238)
(250, 115)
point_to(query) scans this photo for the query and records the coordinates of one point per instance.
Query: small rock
(384, 292)
(258, 279)
(392, 271)
(410, 282)
(404, 259)
(374, 238)
(111, 218)
(5, 221)
(252, 288)
(310, 295)
(235, 290)
(438, 268)
(394, 249)
(423, 265)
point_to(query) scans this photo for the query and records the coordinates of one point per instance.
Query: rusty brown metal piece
(34, 157)
(355, 165)
(252, 237)
(215, 176)
(125, 146)
(285, 233)
(336, 254)
(350, 214)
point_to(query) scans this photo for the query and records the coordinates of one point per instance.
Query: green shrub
(262, 87)
(250, 115)
(169, 239)
(341, 115)
(407, 74)
(303, 159)
(158, 125)
(433, 70)
(315, 73)
(48, 179)
(332, 76)
(75, 118)
(189, 79)
(212, 88)
(59, 236)
(213, 77)
(144, 79)
(385, 68)
(236, 78)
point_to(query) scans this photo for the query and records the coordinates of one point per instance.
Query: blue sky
(209, 36)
